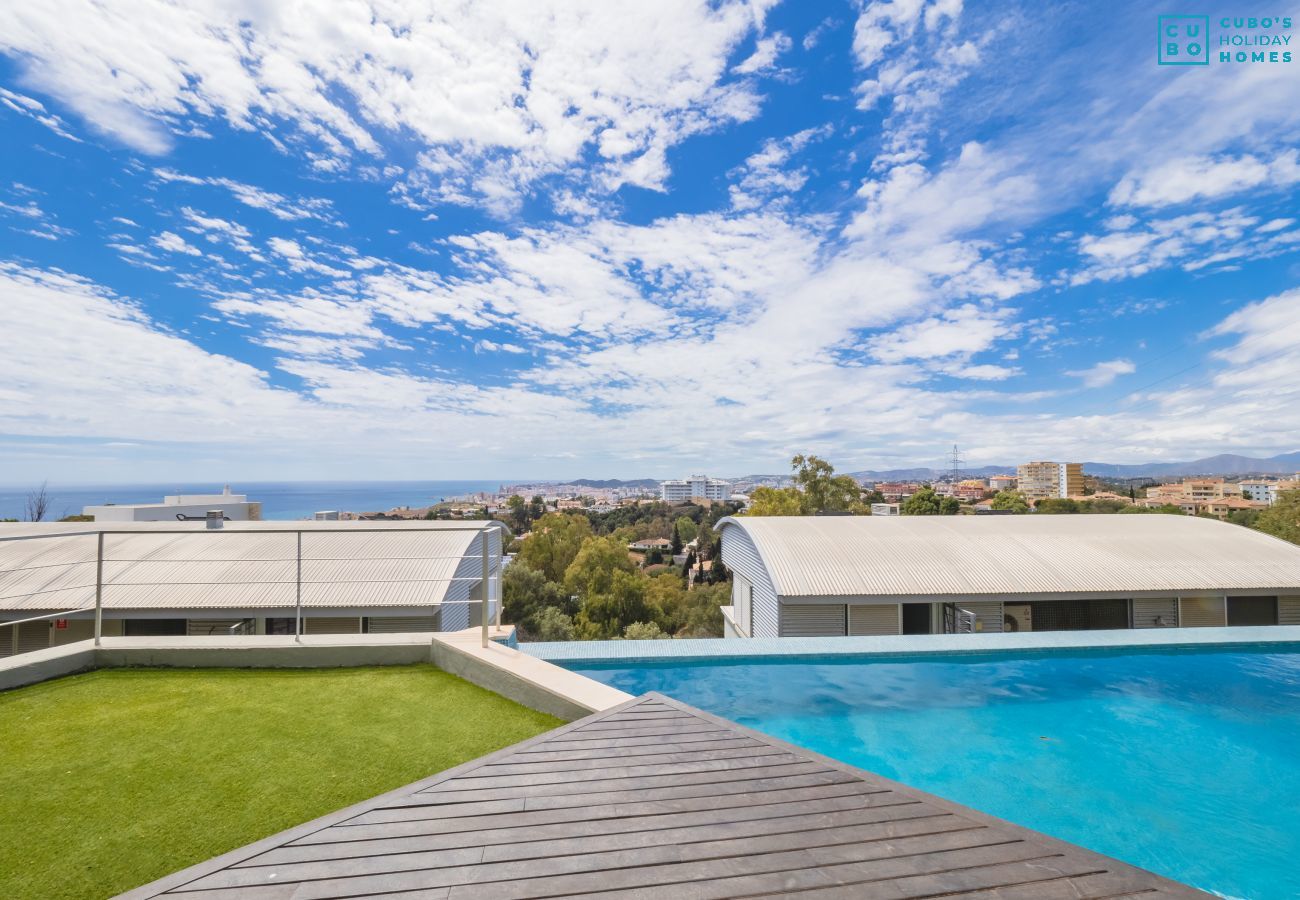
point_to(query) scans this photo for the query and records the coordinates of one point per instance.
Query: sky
(346, 239)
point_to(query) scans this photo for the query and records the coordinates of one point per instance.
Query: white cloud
(961, 331)
(174, 243)
(499, 95)
(764, 55)
(300, 260)
(1204, 178)
(766, 178)
(1193, 242)
(1103, 373)
(278, 205)
(34, 109)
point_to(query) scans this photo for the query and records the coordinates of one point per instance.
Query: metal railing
(487, 601)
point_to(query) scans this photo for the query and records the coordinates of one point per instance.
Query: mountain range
(1223, 464)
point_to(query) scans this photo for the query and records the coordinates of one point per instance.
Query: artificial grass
(111, 779)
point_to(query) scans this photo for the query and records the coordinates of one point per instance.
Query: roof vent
(216, 518)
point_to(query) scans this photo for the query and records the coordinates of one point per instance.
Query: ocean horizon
(281, 500)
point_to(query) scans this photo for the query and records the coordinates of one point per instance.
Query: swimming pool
(1182, 761)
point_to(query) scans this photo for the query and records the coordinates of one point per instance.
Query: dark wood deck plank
(607, 810)
(655, 799)
(621, 833)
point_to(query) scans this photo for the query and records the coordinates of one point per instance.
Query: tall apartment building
(697, 487)
(1041, 480)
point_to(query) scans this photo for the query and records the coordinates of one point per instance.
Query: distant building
(1212, 496)
(235, 507)
(1103, 495)
(327, 515)
(650, 544)
(884, 509)
(896, 491)
(962, 490)
(1268, 491)
(1043, 480)
(1002, 483)
(697, 487)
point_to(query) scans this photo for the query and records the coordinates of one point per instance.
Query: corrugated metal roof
(836, 556)
(244, 565)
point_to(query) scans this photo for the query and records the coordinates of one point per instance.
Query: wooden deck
(655, 799)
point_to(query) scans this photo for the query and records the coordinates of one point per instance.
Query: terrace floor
(651, 799)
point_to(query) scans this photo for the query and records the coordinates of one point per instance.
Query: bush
(553, 625)
(643, 631)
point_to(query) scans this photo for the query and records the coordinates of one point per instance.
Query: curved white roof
(244, 565)
(937, 556)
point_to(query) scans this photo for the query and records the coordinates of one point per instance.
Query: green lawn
(114, 778)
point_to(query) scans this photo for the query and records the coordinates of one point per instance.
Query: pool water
(1184, 762)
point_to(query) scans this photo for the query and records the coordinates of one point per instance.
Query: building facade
(244, 578)
(179, 507)
(697, 487)
(858, 575)
(1002, 483)
(1044, 480)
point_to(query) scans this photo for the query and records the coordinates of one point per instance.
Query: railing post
(487, 594)
(297, 627)
(99, 588)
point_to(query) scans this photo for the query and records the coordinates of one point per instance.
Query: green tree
(655, 557)
(1282, 519)
(553, 625)
(1247, 518)
(1011, 500)
(517, 516)
(926, 502)
(1106, 505)
(822, 489)
(705, 541)
(703, 610)
(553, 544)
(525, 593)
(593, 568)
(644, 631)
(1056, 506)
(766, 501)
(622, 601)
(1170, 509)
(686, 527)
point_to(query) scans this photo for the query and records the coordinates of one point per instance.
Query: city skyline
(528, 240)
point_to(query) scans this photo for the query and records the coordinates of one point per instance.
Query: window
(1252, 610)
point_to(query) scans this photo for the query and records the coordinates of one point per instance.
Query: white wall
(741, 556)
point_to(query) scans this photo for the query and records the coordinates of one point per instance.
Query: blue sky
(509, 240)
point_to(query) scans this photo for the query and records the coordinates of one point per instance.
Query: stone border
(498, 667)
(525, 679)
(718, 649)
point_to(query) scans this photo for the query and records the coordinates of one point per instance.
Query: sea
(284, 500)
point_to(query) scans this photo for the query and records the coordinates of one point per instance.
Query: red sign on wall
(60, 623)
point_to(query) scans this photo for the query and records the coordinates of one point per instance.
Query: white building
(823, 576)
(884, 509)
(244, 578)
(697, 487)
(180, 507)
